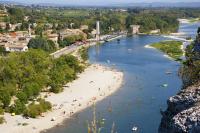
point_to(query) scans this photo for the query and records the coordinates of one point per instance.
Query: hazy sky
(96, 1)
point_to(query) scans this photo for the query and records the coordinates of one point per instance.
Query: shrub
(84, 53)
(45, 105)
(55, 88)
(2, 120)
(22, 97)
(42, 43)
(1, 111)
(5, 97)
(35, 110)
(18, 108)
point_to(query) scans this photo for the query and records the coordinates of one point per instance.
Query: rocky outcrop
(187, 121)
(183, 112)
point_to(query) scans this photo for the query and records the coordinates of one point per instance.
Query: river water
(141, 97)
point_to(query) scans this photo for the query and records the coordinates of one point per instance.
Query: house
(84, 27)
(48, 32)
(16, 48)
(54, 38)
(135, 29)
(94, 32)
(15, 41)
(48, 25)
(3, 25)
(14, 26)
(70, 32)
(26, 18)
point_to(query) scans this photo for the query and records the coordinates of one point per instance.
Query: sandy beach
(93, 85)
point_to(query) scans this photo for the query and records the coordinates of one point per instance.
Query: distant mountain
(162, 4)
(9, 2)
(153, 4)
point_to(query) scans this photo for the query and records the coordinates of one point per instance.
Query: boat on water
(108, 61)
(165, 85)
(134, 128)
(168, 72)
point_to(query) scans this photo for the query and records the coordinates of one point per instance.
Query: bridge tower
(97, 31)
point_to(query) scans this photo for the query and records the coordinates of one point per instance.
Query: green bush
(55, 88)
(84, 53)
(22, 97)
(35, 110)
(18, 108)
(2, 120)
(45, 105)
(42, 43)
(1, 111)
(5, 98)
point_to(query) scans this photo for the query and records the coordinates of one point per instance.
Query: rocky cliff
(183, 112)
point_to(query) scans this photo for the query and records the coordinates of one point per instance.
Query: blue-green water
(139, 101)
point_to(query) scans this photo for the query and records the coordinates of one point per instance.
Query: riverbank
(94, 84)
(73, 48)
(182, 113)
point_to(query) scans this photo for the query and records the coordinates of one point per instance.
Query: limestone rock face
(183, 112)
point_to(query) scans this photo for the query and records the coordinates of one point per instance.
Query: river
(141, 97)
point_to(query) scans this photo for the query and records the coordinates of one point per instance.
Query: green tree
(42, 43)
(5, 97)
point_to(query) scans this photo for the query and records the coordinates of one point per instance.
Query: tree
(42, 43)
(2, 50)
(22, 97)
(5, 97)
(16, 15)
(18, 108)
(198, 31)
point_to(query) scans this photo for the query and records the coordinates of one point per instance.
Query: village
(16, 40)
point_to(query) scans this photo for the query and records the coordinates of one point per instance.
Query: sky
(101, 2)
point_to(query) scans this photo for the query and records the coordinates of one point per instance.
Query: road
(64, 51)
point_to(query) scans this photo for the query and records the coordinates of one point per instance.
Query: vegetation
(63, 71)
(25, 75)
(84, 53)
(110, 20)
(2, 120)
(70, 40)
(34, 110)
(1, 111)
(171, 48)
(151, 20)
(2, 51)
(42, 43)
(190, 71)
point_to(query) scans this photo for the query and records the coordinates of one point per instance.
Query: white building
(16, 48)
(84, 27)
(135, 29)
(3, 25)
(70, 32)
